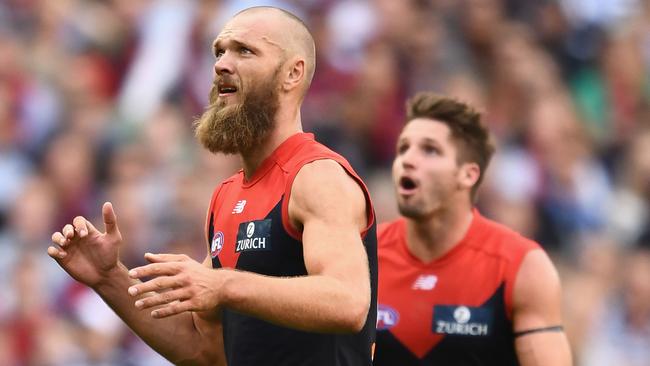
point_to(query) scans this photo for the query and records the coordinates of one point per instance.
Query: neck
(430, 238)
(287, 123)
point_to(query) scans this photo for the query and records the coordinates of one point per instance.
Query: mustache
(222, 80)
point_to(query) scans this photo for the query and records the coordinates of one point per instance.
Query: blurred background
(97, 100)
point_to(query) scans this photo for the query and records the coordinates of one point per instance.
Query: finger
(56, 253)
(59, 239)
(161, 299)
(80, 226)
(173, 308)
(91, 227)
(161, 258)
(158, 284)
(110, 219)
(68, 231)
(155, 269)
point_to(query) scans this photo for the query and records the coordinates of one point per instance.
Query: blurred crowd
(98, 97)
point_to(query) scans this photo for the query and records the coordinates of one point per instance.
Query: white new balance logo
(425, 282)
(239, 207)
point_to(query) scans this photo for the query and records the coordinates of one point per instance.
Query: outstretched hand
(87, 254)
(179, 284)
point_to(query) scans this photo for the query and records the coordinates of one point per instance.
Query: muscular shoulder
(324, 188)
(537, 292)
(536, 274)
(324, 179)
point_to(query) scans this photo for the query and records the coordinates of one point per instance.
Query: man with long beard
(290, 274)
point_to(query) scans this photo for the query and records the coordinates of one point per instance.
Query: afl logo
(250, 229)
(217, 244)
(462, 314)
(387, 317)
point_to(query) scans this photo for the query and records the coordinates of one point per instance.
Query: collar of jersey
(281, 153)
(477, 221)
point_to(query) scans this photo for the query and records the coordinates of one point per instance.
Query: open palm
(87, 254)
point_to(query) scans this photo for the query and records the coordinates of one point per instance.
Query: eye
(218, 53)
(245, 50)
(401, 148)
(430, 149)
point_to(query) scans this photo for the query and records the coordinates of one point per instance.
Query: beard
(240, 127)
(410, 211)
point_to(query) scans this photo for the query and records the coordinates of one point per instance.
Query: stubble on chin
(410, 211)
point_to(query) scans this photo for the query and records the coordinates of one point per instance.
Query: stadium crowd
(97, 100)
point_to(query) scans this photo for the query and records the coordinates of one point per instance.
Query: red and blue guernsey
(456, 310)
(249, 229)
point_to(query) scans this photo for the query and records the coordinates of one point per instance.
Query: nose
(408, 159)
(224, 65)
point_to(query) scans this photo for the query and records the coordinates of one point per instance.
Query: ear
(468, 175)
(295, 75)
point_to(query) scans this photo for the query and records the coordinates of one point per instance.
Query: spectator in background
(629, 207)
(620, 333)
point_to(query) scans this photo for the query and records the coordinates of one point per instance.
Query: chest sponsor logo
(425, 282)
(387, 317)
(217, 244)
(239, 207)
(462, 320)
(254, 236)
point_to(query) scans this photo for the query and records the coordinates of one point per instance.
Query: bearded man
(290, 272)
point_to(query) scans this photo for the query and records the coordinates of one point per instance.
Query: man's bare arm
(91, 257)
(169, 336)
(537, 314)
(330, 207)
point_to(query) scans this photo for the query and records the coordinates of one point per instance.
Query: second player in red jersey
(456, 288)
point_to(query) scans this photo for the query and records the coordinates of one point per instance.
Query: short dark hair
(468, 134)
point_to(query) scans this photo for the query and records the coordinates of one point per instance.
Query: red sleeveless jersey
(248, 228)
(456, 310)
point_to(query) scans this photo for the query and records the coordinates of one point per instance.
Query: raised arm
(91, 257)
(539, 336)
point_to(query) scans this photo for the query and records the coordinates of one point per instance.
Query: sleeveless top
(456, 310)
(249, 229)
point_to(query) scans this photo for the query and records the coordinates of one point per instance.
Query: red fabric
(275, 175)
(469, 274)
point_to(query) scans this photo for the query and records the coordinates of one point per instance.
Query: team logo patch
(239, 207)
(425, 282)
(387, 317)
(462, 320)
(254, 236)
(217, 244)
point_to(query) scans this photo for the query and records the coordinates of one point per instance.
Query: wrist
(112, 278)
(230, 293)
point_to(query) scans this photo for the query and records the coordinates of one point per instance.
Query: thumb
(110, 220)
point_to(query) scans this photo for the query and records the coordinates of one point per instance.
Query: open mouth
(227, 89)
(407, 183)
(407, 186)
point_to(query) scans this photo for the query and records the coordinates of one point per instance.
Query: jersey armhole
(210, 214)
(511, 276)
(286, 222)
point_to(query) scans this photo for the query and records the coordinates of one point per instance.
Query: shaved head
(295, 38)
